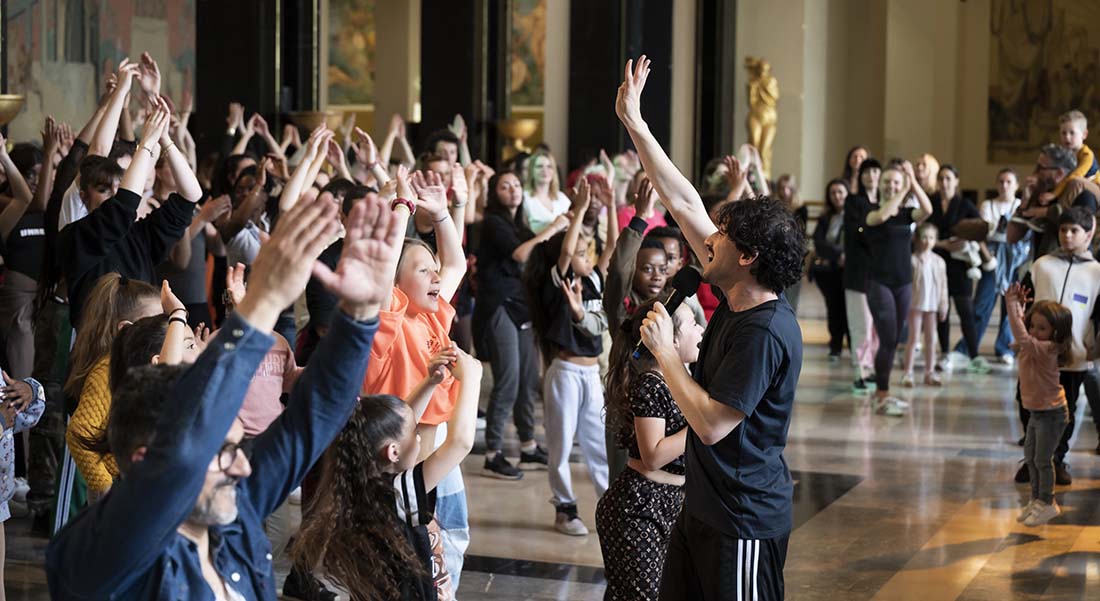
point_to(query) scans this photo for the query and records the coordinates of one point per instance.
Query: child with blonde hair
(1073, 128)
(929, 303)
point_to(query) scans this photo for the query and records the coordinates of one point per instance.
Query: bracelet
(170, 146)
(445, 217)
(172, 320)
(459, 206)
(173, 311)
(151, 154)
(403, 201)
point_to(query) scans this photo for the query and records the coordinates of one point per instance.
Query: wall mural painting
(528, 52)
(1044, 61)
(60, 50)
(351, 52)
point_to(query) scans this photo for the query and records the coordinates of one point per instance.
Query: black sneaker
(41, 525)
(1061, 475)
(300, 584)
(1098, 449)
(535, 460)
(498, 467)
(1022, 475)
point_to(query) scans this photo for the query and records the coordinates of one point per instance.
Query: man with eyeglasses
(1039, 208)
(186, 519)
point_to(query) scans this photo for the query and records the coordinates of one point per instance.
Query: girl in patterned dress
(636, 515)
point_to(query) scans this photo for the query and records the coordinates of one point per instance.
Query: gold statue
(763, 92)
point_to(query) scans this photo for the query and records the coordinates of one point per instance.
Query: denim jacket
(126, 546)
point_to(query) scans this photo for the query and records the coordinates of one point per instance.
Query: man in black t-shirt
(1039, 208)
(731, 539)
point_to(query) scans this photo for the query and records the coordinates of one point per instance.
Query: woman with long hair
(948, 209)
(926, 169)
(827, 270)
(852, 162)
(543, 199)
(503, 322)
(636, 515)
(861, 335)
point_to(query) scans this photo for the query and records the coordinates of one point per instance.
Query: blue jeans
(985, 298)
(1044, 431)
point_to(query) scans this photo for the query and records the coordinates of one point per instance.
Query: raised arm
(1015, 298)
(21, 193)
(51, 141)
(386, 151)
(261, 128)
(247, 130)
(581, 197)
(171, 350)
(463, 425)
(419, 396)
(186, 183)
(367, 154)
(107, 126)
(325, 395)
(676, 192)
(297, 182)
(147, 152)
(924, 211)
(602, 191)
(432, 197)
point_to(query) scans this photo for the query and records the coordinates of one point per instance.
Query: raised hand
(51, 138)
(125, 75)
(202, 337)
(460, 188)
(644, 199)
(363, 277)
(658, 330)
(234, 283)
(150, 75)
(67, 138)
(574, 295)
(258, 125)
(628, 103)
(735, 174)
(365, 151)
(608, 165)
(235, 118)
(397, 125)
(215, 208)
(156, 126)
(440, 362)
(581, 196)
(601, 189)
(169, 303)
(282, 268)
(430, 193)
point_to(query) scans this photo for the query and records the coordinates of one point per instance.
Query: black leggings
(889, 309)
(964, 306)
(832, 288)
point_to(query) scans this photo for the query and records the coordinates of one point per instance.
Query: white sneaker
(566, 521)
(890, 407)
(1008, 360)
(1026, 511)
(907, 380)
(1043, 513)
(21, 490)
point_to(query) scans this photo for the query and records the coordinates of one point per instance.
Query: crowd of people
(209, 350)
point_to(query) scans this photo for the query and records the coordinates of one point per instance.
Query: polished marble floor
(920, 507)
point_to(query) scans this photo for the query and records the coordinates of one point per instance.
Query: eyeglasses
(227, 456)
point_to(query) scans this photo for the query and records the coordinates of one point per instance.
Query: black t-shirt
(498, 274)
(25, 245)
(891, 245)
(856, 257)
(562, 331)
(189, 285)
(958, 209)
(649, 397)
(319, 301)
(749, 360)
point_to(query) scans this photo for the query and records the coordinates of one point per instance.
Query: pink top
(657, 219)
(1040, 388)
(276, 374)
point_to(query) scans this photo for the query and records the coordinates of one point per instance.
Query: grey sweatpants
(573, 406)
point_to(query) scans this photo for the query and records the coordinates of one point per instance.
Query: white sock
(528, 446)
(490, 455)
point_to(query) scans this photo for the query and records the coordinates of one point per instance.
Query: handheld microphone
(685, 284)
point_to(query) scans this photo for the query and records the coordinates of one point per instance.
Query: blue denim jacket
(126, 546)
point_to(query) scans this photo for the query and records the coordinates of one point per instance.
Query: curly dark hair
(764, 227)
(352, 531)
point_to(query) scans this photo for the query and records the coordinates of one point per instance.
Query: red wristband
(403, 201)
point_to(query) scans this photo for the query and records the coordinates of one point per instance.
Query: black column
(602, 36)
(298, 88)
(716, 84)
(449, 61)
(234, 62)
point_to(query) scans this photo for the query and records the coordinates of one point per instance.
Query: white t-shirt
(538, 216)
(992, 211)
